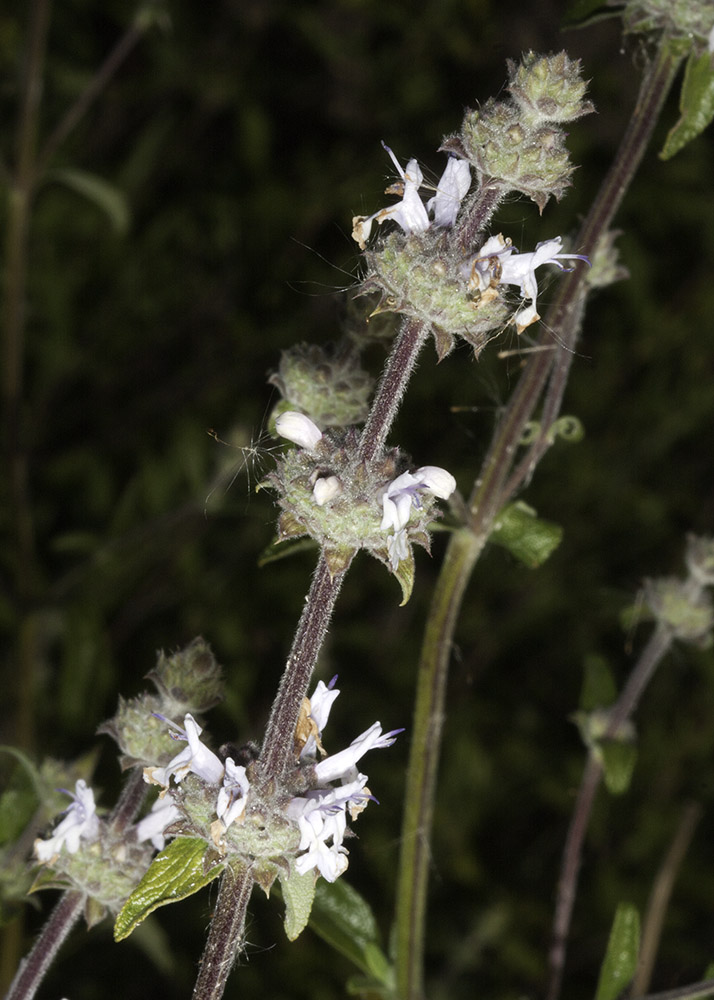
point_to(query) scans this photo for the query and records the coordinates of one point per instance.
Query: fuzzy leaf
(177, 872)
(101, 193)
(622, 953)
(696, 103)
(405, 575)
(298, 894)
(618, 760)
(599, 689)
(345, 921)
(526, 536)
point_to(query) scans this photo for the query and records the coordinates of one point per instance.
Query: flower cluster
(80, 823)
(327, 493)
(328, 789)
(321, 812)
(499, 263)
(195, 758)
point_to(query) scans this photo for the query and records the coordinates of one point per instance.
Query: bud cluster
(325, 491)
(329, 384)
(519, 144)
(686, 20)
(685, 606)
(186, 681)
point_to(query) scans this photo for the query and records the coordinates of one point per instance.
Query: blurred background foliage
(239, 139)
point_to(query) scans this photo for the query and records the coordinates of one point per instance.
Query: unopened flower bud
(326, 489)
(299, 429)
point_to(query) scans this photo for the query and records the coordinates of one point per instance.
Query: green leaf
(283, 550)
(599, 689)
(298, 894)
(345, 921)
(696, 103)
(526, 536)
(177, 872)
(622, 953)
(618, 760)
(583, 12)
(405, 575)
(101, 193)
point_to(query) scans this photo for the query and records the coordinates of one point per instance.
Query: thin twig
(659, 897)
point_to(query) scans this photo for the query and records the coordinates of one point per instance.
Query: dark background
(244, 137)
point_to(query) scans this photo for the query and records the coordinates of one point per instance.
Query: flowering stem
(33, 968)
(226, 936)
(391, 388)
(462, 553)
(320, 602)
(565, 314)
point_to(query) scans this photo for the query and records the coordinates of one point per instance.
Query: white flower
(163, 812)
(410, 213)
(450, 191)
(519, 269)
(299, 429)
(401, 495)
(321, 813)
(233, 794)
(326, 489)
(80, 823)
(193, 759)
(341, 766)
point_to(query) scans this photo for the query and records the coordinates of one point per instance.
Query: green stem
(462, 553)
(495, 485)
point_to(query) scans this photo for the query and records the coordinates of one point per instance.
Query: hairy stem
(461, 556)
(226, 936)
(392, 387)
(280, 734)
(312, 628)
(32, 969)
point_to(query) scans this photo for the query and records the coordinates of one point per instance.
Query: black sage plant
(441, 268)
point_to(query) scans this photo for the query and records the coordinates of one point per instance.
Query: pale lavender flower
(450, 192)
(195, 758)
(163, 812)
(80, 823)
(402, 495)
(321, 813)
(410, 213)
(299, 429)
(341, 766)
(519, 269)
(233, 795)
